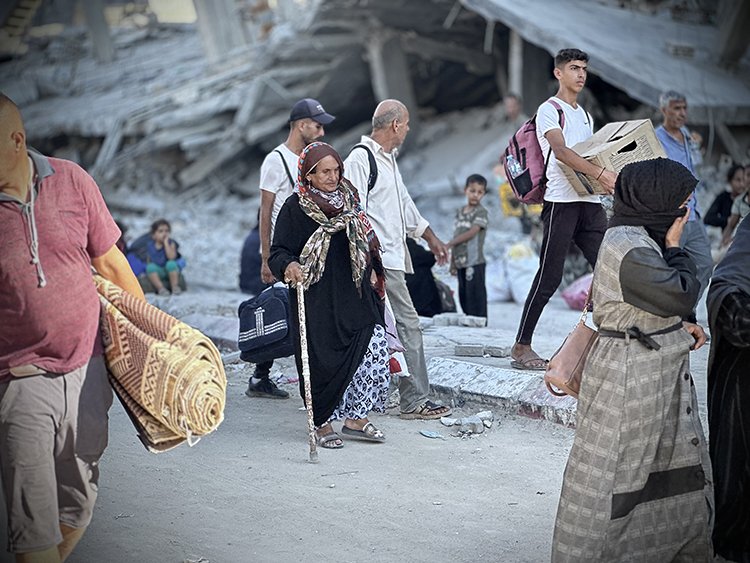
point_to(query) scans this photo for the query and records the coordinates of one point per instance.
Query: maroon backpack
(525, 164)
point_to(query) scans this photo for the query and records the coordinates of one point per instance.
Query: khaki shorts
(53, 430)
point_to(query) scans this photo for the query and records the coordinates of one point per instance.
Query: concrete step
(452, 380)
(516, 391)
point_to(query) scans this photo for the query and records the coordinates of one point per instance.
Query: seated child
(157, 262)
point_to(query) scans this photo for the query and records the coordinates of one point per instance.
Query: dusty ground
(247, 493)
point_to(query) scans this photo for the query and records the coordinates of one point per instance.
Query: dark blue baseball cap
(308, 107)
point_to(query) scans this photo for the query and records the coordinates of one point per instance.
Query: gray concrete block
(469, 320)
(446, 319)
(497, 351)
(469, 350)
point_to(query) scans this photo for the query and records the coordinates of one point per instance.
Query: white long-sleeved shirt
(389, 206)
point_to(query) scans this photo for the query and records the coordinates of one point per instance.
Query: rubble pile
(162, 118)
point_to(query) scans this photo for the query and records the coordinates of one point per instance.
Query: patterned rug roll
(168, 375)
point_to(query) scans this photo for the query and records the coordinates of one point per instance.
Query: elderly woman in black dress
(324, 241)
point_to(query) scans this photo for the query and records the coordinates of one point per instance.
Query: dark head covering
(311, 156)
(733, 272)
(649, 194)
(731, 275)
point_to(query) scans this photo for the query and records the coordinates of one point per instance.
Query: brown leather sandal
(427, 411)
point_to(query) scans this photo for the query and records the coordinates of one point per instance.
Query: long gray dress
(637, 486)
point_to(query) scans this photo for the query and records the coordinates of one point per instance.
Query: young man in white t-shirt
(278, 174)
(566, 216)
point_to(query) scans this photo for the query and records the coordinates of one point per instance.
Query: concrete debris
(123, 515)
(472, 321)
(487, 418)
(458, 319)
(168, 114)
(479, 350)
(469, 350)
(470, 425)
(394, 399)
(497, 351)
(446, 319)
(432, 434)
(474, 424)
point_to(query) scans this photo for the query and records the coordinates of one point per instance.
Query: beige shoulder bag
(565, 367)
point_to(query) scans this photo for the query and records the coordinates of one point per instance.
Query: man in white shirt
(394, 216)
(278, 174)
(566, 216)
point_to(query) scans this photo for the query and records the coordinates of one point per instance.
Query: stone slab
(475, 322)
(497, 351)
(469, 350)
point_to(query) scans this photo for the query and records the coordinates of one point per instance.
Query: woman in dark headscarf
(324, 241)
(637, 483)
(729, 397)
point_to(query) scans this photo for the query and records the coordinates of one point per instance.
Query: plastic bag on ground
(576, 293)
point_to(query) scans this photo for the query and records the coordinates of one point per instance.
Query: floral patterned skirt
(368, 389)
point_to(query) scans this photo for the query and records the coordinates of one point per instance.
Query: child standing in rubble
(467, 254)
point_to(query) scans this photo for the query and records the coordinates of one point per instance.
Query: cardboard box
(612, 147)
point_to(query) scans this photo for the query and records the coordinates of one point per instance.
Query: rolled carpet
(168, 375)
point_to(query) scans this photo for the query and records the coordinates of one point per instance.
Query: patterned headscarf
(649, 194)
(334, 212)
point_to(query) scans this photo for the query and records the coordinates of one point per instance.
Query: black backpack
(265, 326)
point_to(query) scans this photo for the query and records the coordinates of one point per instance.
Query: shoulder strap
(560, 112)
(286, 167)
(561, 120)
(373, 176)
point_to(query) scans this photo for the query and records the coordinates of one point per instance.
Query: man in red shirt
(54, 393)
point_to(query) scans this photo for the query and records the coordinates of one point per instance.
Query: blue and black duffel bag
(265, 326)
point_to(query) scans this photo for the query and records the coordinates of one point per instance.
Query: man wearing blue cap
(278, 174)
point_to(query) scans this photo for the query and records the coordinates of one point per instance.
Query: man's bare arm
(437, 247)
(578, 163)
(113, 266)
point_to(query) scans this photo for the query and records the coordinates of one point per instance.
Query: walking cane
(306, 373)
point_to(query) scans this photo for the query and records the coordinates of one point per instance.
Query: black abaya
(340, 321)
